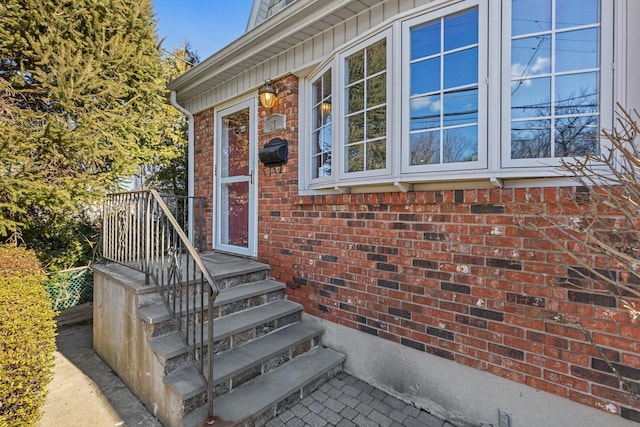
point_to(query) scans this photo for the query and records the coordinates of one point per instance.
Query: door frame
(252, 248)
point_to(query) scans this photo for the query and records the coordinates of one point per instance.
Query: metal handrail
(140, 231)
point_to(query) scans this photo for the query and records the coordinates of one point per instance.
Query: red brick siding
(448, 273)
(203, 170)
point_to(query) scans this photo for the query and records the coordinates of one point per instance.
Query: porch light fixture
(268, 95)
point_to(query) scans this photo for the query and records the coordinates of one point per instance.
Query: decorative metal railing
(140, 231)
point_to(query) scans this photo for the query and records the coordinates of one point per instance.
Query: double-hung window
(472, 89)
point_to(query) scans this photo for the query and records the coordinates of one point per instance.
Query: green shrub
(27, 338)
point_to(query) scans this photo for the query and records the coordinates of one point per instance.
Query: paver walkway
(86, 392)
(346, 401)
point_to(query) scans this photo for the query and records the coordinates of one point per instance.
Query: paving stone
(350, 380)
(325, 388)
(334, 405)
(331, 416)
(412, 422)
(430, 420)
(364, 409)
(319, 396)
(336, 383)
(295, 422)
(314, 420)
(345, 423)
(286, 416)
(316, 407)
(412, 411)
(379, 394)
(334, 392)
(398, 416)
(366, 398)
(380, 406)
(380, 418)
(349, 401)
(307, 401)
(349, 413)
(350, 390)
(300, 411)
(363, 386)
(363, 421)
(397, 424)
(394, 402)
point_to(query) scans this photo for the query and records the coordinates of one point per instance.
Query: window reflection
(366, 109)
(444, 100)
(322, 129)
(565, 122)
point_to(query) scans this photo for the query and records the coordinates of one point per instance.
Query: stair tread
(187, 382)
(264, 391)
(154, 314)
(275, 385)
(171, 345)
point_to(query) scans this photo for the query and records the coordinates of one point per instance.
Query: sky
(208, 25)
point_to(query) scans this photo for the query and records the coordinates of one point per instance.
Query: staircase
(266, 357)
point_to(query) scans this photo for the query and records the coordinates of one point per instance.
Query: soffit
(297, 23)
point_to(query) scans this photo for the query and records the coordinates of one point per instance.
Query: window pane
(425, 76)
(424, 148)
(530, 16)
(355, 158)
(377, 57)
(321, 165)
(355, 98)
(355, 67)
(376, 155)
(425, 112)
(576, 50)
(576, 136)
(326, 85)
(531, 56)
(377, 90)
(425, 40)
(577, 93)
(570, 13)
(531, 139)
(317, 91)
(531, 98)
(461, 107)
(377, 123)
(355, 128)
(461, 68)
(460, 144)
(461, 30)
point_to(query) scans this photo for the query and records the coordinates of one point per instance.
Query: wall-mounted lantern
(268, 95)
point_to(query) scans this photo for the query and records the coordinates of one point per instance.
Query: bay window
(465, 90)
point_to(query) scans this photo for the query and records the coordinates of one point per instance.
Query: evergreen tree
(80, 89)
(168, 170)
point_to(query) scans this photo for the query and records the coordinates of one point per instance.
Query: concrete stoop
(266, 358)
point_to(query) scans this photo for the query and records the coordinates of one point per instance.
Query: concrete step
(229, 301)
(239, 365)
(230, 271)
(230, 331)
(264, 397)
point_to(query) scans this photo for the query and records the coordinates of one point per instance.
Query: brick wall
(203, 170)
(450, 273)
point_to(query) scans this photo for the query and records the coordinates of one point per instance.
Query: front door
(236, 214)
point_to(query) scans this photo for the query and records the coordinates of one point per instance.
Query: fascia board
(297, 16)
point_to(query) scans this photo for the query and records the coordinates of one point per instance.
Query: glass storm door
(235, 187)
